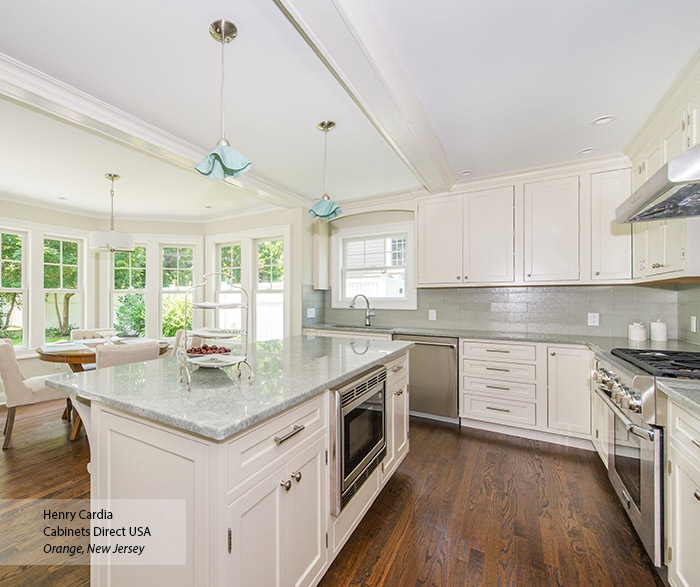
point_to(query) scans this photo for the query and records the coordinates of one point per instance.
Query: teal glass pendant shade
(223, 162)
(325, 208)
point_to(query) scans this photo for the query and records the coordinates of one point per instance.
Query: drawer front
(397, 370)
(498, 370)
(499, 351)
(495, 410)
(514, 390)
(684, 429)
(261, 446)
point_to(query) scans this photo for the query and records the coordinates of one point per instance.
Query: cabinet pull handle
(696, 442)
(497, 409)
(296, 476)
(397, 368)
(497, 369)
(297, 428)
(496, 351)
(498, 387)
(286, 484)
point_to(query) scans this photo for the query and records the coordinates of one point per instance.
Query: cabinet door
(258, 522)
(639, 249)
(440, 240)
(655, 247)
(401, 422)
(611, 242)
(552, 230)
(693, 120)
(568, 385)
(488, 236)
(307, 524)
(674, 138)
(595, 420)
(684, 520)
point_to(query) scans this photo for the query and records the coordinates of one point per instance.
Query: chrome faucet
(369, 312)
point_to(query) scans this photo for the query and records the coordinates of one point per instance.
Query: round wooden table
(76, 360)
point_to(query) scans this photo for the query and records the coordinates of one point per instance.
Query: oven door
(361, 433)
(635, 469)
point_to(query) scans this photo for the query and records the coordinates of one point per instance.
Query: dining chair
(109, 355)
(83, 333)
(18, 390)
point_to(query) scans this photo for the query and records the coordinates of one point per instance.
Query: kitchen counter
(219, 405)
(682, 391)
(596, 343)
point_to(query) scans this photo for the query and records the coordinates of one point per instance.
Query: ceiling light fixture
(466, 172)
(325, 208)
(603, 119)
(110, 240)
(224, 161)
(587, 151)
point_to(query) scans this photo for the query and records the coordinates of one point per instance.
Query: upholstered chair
(109, 355)
(85, 333)
(18, 390)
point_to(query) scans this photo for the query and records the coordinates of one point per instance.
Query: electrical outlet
(311, 312)
(432, 314)
(693, 324)
(593, 319)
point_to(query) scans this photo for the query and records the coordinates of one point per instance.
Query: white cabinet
(440, 240)
(488, 244)
(278, 527)
(568, 387)
(552, 230)
(611, 243)
(601, 422)
(396, 415)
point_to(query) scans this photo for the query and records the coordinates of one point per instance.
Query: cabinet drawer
(498, 370)
(261, 446)
(684, 429)
(499, 351)
(515, 390)
(495, 410)
(397, 370)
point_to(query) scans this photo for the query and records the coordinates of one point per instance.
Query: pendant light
(325, 208)
(224, 161)
(111, 240)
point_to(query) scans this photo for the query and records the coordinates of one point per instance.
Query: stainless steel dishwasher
(432, 376)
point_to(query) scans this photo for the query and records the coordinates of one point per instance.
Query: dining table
(80, 355)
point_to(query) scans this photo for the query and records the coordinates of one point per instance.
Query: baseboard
(434, 417)
(573, 442)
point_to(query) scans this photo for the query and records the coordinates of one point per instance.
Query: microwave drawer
(507, 389)
(499, 351)
(498, 370)
(498, 410)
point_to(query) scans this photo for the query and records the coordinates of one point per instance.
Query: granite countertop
(219, 405)
(597, 343)
(683, 392)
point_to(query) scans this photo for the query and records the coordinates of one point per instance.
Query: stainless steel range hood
(672, 192)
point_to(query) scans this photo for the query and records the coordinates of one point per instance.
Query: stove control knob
(635, 404)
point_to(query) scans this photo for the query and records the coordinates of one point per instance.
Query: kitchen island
(251, 459)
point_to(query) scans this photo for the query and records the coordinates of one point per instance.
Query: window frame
(80, 280)
(23, 290)
(338, 238)
(113, 291)
(179, 290)
(255, 290)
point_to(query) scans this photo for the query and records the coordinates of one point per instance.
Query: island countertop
(219, 404)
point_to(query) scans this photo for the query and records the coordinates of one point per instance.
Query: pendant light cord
(325, 162)
(111, 207)
(223, 44)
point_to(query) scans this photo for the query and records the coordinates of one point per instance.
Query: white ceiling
(156, 61)
(509, 85)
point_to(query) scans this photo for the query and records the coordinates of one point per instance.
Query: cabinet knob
(553, 354)
(597, 272)
(529, 274)
(458, 278)
(697, 494)
(286, 484)
(296, 476)
(465, 277)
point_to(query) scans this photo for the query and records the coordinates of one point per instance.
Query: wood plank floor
(465, 508)
(476, 508)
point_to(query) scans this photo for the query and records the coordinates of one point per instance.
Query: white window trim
(24, 290)
(114, 292)
(411, 301)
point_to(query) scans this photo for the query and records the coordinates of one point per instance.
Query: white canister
(637, 331)
(658, 331)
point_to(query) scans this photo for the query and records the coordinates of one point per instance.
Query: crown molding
(348, 38)
(31, 87)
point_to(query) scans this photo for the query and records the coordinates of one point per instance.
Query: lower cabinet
(279, 525)
(396, 427)
(568, 389)
(601, 422)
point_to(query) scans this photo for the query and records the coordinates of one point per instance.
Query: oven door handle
(631, 427)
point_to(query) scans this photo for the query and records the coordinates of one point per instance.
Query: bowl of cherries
(205, 349)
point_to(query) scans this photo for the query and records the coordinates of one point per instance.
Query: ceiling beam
(349, 39)
(28, 86)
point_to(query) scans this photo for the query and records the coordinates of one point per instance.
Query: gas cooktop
(681, 364)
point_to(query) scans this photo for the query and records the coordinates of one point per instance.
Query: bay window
(269, 289)
(63, 297)
(176, 278)
(129, 292)
(12, 290)
(230, 263)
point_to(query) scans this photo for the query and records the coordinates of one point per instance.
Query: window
(376, 262)
(129, 292)
(269, 290)
(229, 263)
(176, 271)
(12, 292)
(63, 298)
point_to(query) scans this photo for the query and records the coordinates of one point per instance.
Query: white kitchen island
(257, 509)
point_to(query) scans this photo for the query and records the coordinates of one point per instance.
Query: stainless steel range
(625, 379)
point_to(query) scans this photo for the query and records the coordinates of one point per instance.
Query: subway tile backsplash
(549, 310)
(311, 298)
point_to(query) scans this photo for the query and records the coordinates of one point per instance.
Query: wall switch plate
(432, 314)
(593, 319)
(693, 324)
(311, 312)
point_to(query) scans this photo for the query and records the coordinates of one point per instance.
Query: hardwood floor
(465, 508)
(476, 508)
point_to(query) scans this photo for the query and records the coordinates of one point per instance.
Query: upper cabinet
(440, 240)
(552, 230)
